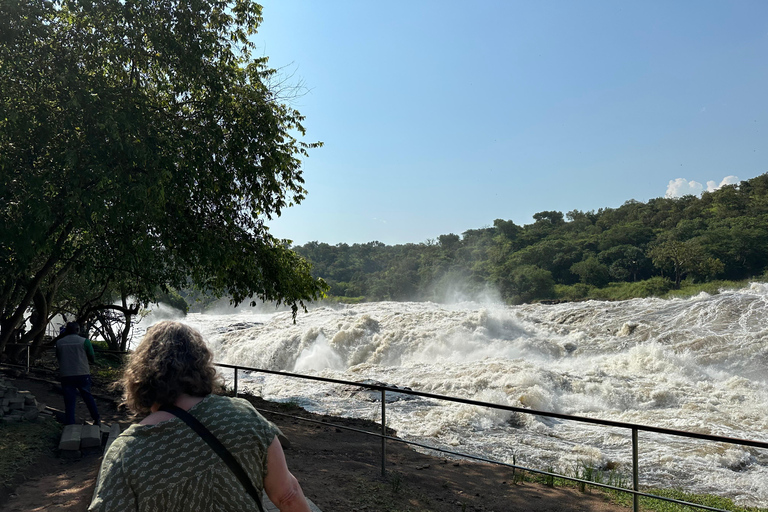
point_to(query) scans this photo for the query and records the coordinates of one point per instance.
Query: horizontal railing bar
(51, 347)
(583, 419)
(491, 461)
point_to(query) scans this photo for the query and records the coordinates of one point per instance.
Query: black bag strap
(219, 448)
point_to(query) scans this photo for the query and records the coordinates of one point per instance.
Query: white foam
(693, 364)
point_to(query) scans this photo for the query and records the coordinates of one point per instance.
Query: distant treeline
(649, 248)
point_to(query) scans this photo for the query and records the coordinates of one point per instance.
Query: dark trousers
(71, 386)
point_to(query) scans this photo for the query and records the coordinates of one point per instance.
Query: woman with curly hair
(162, 464)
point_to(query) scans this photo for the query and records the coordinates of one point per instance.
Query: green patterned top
(169, 468)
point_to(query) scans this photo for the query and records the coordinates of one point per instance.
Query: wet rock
(627, 329)
(374, 395)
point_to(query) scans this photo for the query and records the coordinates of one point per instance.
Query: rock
(374, 395)
(627, 329)
(18, 405)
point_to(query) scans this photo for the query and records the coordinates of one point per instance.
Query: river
(697, 364)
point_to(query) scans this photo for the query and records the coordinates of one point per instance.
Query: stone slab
(114, 431)
(16, 403)
(70, 438)
(90, 436)
(28, 397)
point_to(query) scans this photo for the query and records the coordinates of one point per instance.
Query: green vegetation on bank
(661, 248)
(625, 499)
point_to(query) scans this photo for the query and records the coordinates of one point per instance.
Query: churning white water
(698, 364)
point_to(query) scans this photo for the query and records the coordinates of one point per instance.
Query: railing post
(235, 382)
(635, 473)
(27, 358)
(383, 432)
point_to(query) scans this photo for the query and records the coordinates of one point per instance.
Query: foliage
(142, 147)
(174, 299)
(636, 250)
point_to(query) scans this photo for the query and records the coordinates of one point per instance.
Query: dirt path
(339, 470)
(59, 486)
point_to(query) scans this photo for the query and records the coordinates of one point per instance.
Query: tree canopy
(720, 235)
(142, 147)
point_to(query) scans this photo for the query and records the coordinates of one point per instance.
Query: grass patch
(655, 505)
(22, 443)
(624, 499)
(108, 366)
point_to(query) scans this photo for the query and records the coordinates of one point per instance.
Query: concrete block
(114, 431)
(16, 403)
(90, 436)
(31, 414)
(70, 438)
(28, 397)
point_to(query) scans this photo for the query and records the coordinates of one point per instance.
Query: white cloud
(728, 180)
(681, 187)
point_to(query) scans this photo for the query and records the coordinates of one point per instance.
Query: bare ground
(339, 470)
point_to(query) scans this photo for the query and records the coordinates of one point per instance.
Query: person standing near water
(164, 463)
(74, 353)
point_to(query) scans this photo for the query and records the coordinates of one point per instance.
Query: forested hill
(639, 248)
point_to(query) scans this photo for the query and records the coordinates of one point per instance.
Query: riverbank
(340, 470)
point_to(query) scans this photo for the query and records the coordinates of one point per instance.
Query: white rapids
(698, 364)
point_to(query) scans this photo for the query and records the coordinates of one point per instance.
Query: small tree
(677, 257)
(591, 271)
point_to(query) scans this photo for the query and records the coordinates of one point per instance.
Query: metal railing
(28, 349)
(632, 427)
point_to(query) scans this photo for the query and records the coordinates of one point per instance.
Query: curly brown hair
(171, 359)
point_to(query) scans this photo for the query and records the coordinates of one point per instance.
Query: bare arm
(282, 487)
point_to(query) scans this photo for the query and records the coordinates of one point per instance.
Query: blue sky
(441, 116)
